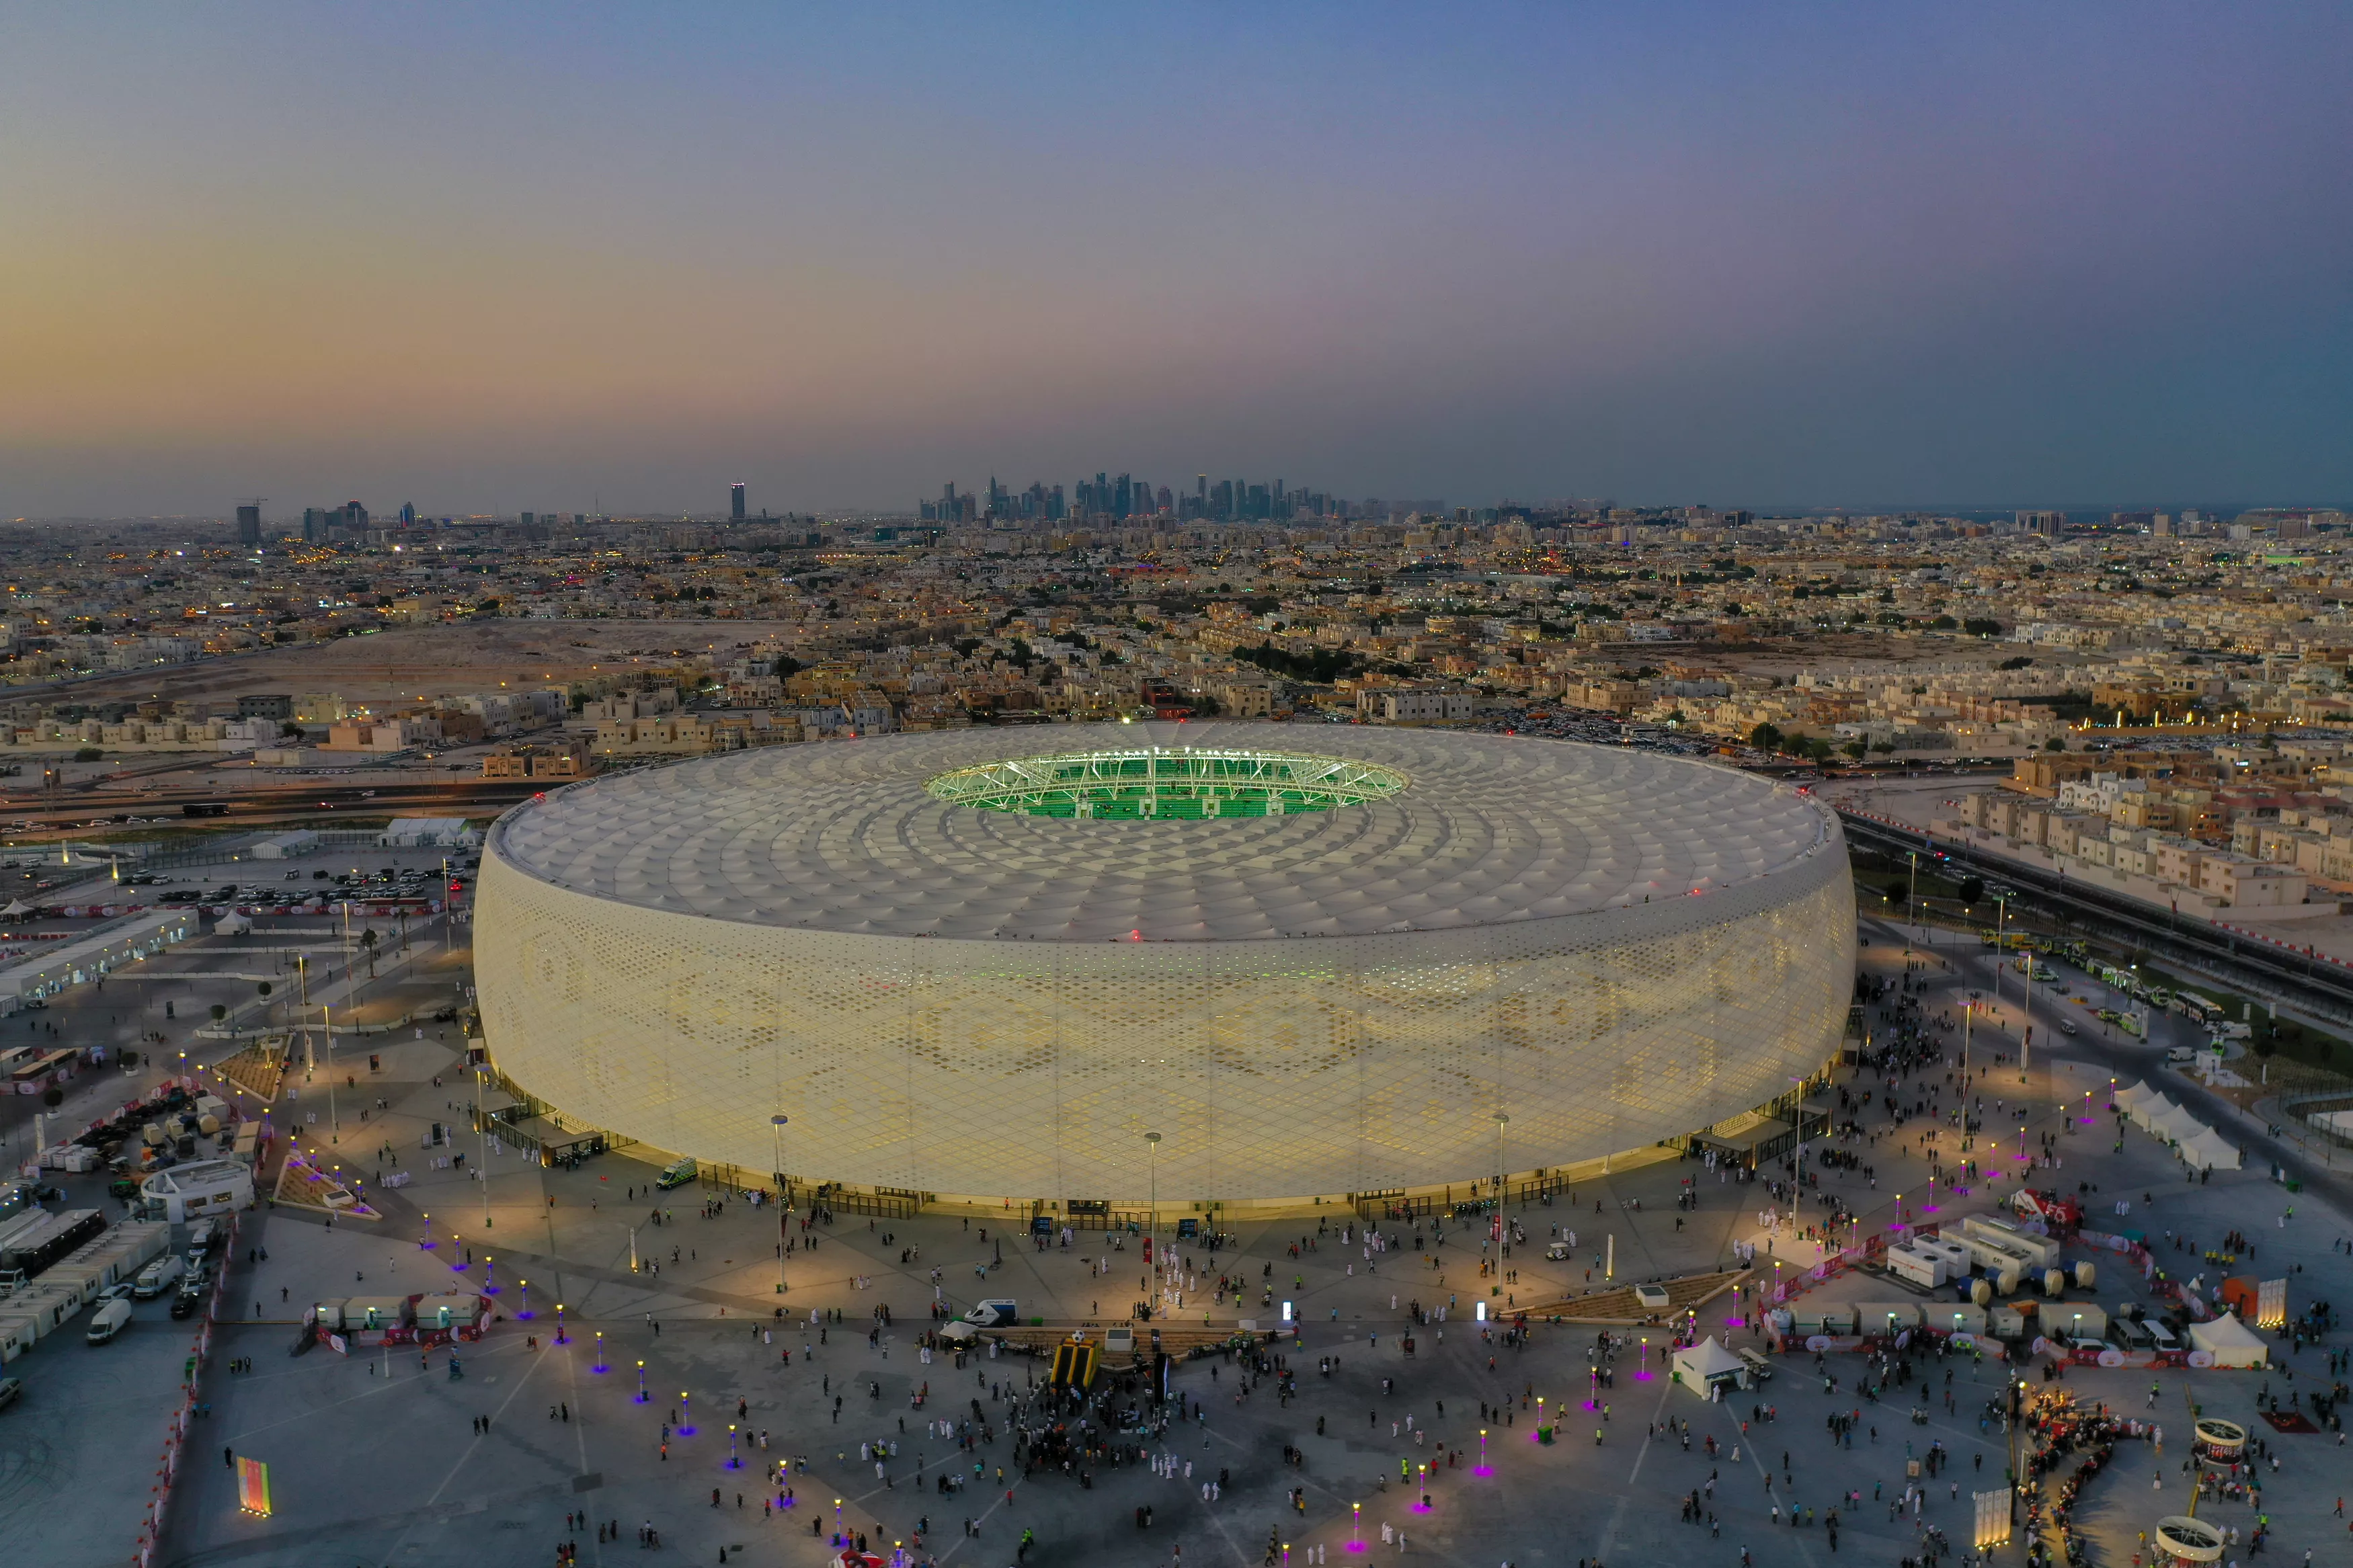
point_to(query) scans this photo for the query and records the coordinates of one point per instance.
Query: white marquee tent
(2129, 1100)
(2230, 1341)
(2209, 1151)
(1699, 1366)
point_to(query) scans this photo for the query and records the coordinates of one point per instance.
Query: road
(2316, 986)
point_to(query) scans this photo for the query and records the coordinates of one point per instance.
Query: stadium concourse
(1205, 964)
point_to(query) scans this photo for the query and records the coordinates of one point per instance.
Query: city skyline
(1880, 260)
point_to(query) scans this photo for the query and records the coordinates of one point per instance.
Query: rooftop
(1477, 830)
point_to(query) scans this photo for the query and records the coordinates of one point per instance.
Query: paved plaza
(383, 1457)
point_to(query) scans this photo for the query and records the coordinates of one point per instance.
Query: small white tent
(2149, 1109)
(2209, 1151)
(2230, 1341)
(2176, 1124)
(1699, 1366)
(2130, 1099)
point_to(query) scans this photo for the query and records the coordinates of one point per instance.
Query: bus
(2202, 1010)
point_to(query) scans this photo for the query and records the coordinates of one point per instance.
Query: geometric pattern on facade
(1559, 972)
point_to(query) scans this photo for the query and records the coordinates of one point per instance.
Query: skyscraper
(249, 524)
(735, 502)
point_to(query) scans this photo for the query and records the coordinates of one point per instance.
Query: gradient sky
(514, 258)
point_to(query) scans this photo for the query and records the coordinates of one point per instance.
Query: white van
(108, 1321)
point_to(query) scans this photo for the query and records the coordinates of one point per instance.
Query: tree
(219, 1012)
(1972, 889)
(367, 944)
(1855, 749)
(1981, 627)
(53, 1097)
(1766, 737)
(2054, 744)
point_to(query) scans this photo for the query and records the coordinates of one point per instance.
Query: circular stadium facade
(1316, 959)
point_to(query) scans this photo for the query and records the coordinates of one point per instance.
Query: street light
(481, 1125)
(1501, 1122)
(1151, 1152)
(783, 1197)
(2000, 944)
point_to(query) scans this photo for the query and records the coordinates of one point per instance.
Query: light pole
(334, 1117)
(784, 1201)
(1911, 903)
(1500, 1119)
(481, 1125)
(2000, 944)
(1152, 1154)
(302, 975)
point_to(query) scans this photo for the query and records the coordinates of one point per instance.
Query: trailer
(439, 1318)
(1917, 1266)
(57, 1236)
(2040, 1250)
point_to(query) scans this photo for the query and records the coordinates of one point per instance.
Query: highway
(2319, 986)
(293, 800)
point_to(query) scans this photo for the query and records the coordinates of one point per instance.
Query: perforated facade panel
(1030, 1066)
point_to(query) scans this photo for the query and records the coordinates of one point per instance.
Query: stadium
(1317, 961)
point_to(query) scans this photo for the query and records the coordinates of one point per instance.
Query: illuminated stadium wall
(1273, 1067)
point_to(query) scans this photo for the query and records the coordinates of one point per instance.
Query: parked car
(12, 1389)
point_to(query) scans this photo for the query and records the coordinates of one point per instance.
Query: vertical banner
(1992, 1518)
(253, 1486)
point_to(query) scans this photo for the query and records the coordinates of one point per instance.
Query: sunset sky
(496, 257)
